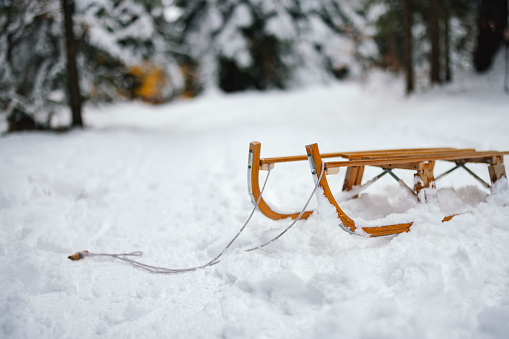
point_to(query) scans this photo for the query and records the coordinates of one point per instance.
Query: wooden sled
(421, 160)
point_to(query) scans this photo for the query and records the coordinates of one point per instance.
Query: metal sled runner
(421, 160)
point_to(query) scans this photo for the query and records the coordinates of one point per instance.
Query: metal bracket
(372, 181)
(401, 182)
(462, 165)
(449, 171)
(484, 183)
(266, 167)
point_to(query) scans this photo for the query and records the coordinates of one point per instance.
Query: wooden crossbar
(354, 155)
(400, 152)
(291, 158)
(411, 154)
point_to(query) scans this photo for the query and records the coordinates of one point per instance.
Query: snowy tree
(32, 63)
(441, 36)
(492, 26)
(260, 44)
(117, 35)
(113, 37)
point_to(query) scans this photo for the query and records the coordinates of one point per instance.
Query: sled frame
(353, 178)
(421, 160)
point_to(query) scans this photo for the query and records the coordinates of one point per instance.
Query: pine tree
(261, 44)
(436, 55)
(113, 36)
(117, 35)
(32, 63)
(492, 24)
(389, 21)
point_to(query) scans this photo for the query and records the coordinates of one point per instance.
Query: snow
(172, 13)
(171, 181)
(235, 45)
(281, 26)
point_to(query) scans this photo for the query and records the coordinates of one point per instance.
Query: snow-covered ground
(171, 181)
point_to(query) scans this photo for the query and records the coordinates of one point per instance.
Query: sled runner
(421, 160)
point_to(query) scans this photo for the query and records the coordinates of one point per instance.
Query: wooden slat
(357, 154)
(374, 153)
(410, 160)
(419, 166)
(485, 160)
(409, 155)
(292, 158)
(414, 151)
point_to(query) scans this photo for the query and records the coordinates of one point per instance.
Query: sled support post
(353, 177)
(424, 179)
(496, 172)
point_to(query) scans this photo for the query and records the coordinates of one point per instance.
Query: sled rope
(164, 270)
(296, 219)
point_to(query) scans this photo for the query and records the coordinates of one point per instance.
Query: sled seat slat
(401, 152)
(356, 155)
(470, 156)
(451, 152)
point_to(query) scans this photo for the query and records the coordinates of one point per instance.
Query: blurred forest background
(56, 55)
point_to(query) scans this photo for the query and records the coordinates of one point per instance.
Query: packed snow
(171, 181)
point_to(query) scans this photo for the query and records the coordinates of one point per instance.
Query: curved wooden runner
(347, 223)
(254, 186)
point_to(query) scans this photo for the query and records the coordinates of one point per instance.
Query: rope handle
(78, 255)
(85, 253)
(164, 270)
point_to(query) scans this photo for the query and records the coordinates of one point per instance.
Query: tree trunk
(434, 33)
(491, 26)
(392, 59)
(447, 45)
(73, 86)
(408, 51)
